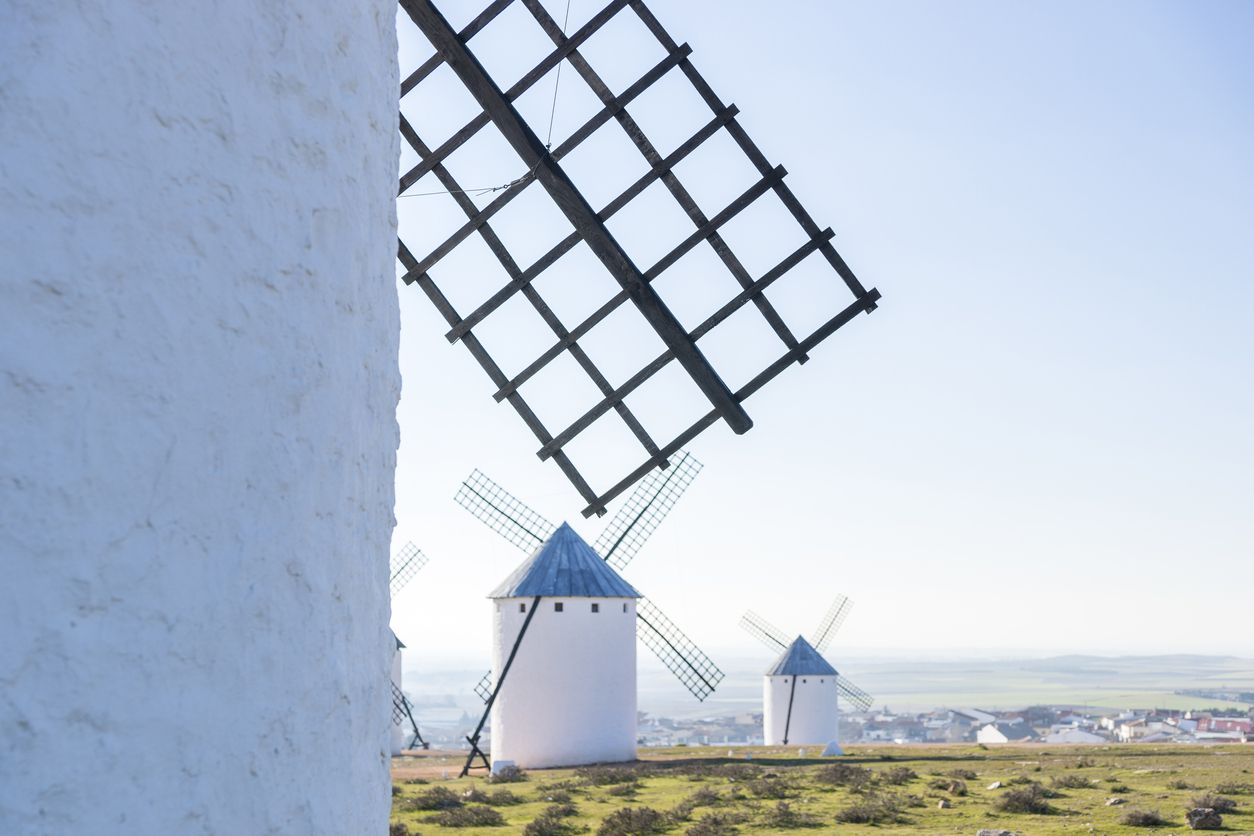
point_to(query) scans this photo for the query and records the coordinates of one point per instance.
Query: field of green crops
(912, 789)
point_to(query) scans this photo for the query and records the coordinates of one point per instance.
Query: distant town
(1036, 724)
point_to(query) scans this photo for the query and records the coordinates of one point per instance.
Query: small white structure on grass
(799, 698)
(569, 694)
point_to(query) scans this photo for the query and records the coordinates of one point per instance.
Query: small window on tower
(557, 607)
(624, 608)
(596, 607)
(522, 607)
(804, 681)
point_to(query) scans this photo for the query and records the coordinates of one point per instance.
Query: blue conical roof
(564, 566)
(801, 659)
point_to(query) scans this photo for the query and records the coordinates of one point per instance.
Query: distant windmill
(799, 692)
(405, 564)
(565, 557)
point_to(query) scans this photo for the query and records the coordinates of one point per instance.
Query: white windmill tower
(563, 624)
(799, 691)
(572, 684)
(405, 564)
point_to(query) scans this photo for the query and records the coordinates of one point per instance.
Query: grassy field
(914, 789)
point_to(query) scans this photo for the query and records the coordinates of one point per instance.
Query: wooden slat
(593, 231)
(565, 245)
(735, 207)
(751, 150)
(864, 304)
(658, 363)
(476, 349)
(469, 31)
(541, 307)
(521, 86)
(685, 200)
(562, 150)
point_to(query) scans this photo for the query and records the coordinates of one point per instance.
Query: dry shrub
(1178, 784)
(704, 797)
(1233, 788)
(1143, 818)
(468, 817)
(1073, 782)
(1026, 799)
(898, 775)
(436, 798)
(398, 828)
(785, 817)
(603, 776)
(1218, 803)
(698, 771)
(874, 809)
(504, 798)
(962, 774)
(717, 824)
(844, 775)
(507, 775)
(627, 790)
(953, 786)
(633, 821)
(770, 787)
(552, 822)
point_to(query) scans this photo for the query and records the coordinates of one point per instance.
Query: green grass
(687, 784)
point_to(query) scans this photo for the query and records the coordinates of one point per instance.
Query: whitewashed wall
(814, 719)
(400, 730)
(198, 378)
(570, 696)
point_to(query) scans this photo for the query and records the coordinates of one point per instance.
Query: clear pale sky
(1041, 442)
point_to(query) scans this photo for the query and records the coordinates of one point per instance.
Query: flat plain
(707, 791)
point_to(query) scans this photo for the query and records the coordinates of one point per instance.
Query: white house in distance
(569, 697)
(1005, 733)
(799, 699)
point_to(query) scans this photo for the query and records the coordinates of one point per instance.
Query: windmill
(617, 545)
(799, 692)
(405, 564)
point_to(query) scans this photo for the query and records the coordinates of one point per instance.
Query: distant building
(1004, 733)
(1072, 735)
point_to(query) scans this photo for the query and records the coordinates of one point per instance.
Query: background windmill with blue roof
(799, 691)
(617, 545)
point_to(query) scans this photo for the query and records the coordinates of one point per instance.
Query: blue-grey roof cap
(564, 566)
(801, 659)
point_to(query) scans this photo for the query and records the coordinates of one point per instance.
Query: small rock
(996, 785)
(943, 805)
(1204, 818)
(987, 832)
(1114, 802)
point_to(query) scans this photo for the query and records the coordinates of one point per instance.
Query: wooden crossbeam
(685, 200)
(577, 210)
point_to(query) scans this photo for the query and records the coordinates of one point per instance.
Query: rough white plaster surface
(814, 719)
(198, 381)
(400, 725)
(570, 696)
